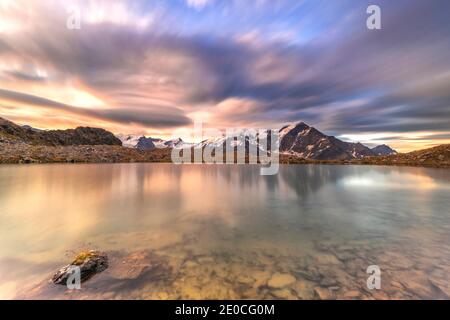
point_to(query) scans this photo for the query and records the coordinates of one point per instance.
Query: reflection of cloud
(395, 180)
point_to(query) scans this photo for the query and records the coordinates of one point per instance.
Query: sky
(157, 66)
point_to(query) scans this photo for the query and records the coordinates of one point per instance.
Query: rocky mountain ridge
(383, 150)
(307, 142)
(13, 133)
(298, 140)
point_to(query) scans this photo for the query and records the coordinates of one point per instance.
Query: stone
(441, 284)
(245, 279)
(328, 282)
(251, 293)
(352, 294)
(280, 280)
(206, 260)
(90, 263)
(334, 288)
(130, 267)
(356, 265)
(395, 261)
(310, 274)
(417, 283)
(192, 292)
(191, 264)
(323, 293)
(163, 296)
(283, 294)
(344, 255)
(327, 259)
(379, 295)
(261, 278)
(304, 290)
(397, 285)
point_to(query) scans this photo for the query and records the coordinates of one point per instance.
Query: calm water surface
(218, 232)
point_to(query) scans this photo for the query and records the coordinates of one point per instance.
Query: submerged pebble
(279, 280)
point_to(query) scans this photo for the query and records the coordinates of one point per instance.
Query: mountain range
(147, 143)
(298, 140)
(300, 144)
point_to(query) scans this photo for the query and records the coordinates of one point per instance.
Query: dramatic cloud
(163, 117)
(151, 66)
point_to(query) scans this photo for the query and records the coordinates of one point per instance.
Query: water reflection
(303, 219)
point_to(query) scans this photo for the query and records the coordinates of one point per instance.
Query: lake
(225, 231)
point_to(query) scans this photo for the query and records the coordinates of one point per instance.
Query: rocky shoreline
(22, 153)
(18, 153)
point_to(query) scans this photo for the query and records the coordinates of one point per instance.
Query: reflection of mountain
(301, 180)
(305, 180)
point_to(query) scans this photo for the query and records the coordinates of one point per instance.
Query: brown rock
(304, 290)
(352, 294)
(323, 293)
(416, 283)
(130, 267)
(441, 283)
(89, 263)
(283, 294)
(261, 278)
(280, 280)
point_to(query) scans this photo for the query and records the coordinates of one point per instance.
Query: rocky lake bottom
(309, 233)
(329, 271)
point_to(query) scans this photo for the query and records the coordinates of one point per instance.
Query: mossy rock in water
(89, 263)
(82, 257)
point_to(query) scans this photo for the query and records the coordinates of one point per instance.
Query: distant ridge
(299, 140)
(438, 156)
(11, 132)
(149, 143)
(383, 150)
